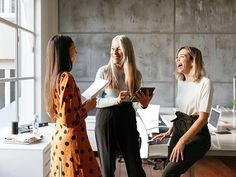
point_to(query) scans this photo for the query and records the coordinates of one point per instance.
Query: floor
(207, 167)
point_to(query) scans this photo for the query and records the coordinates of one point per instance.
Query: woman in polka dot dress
(71, 153)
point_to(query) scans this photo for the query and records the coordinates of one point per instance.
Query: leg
(194, 151)
(105, 143)
(128, 140)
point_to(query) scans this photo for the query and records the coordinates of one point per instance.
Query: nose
(116, 51)
(176, 58)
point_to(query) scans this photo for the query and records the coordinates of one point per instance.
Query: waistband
(181, 115)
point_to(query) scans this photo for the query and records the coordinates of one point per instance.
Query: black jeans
(194, 150)
(116, 132)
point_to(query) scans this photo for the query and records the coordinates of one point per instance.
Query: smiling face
(184, 62)
(73, 53)
(117, 54)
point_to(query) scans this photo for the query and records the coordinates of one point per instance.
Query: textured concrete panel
(156, 62)
(219, 53)
(93, 52)
(154, 56)
(115, 15)
(164, 93)
(223, 94)
(206, 16)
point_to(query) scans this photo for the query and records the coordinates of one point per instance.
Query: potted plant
(234, 105)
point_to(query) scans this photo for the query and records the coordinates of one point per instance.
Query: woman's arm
(161, 136)
(70, 107)
(196, 127)
(101, 101)
(193, 130)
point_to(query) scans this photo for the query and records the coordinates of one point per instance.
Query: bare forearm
(196, 127)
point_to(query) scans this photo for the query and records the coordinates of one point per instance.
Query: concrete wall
(157, 29)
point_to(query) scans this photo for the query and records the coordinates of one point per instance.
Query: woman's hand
(178, 151)
(122, 96)
(90, 104)
(144, 98)
(161, 136)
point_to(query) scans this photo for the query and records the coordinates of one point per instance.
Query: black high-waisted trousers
(116, 131)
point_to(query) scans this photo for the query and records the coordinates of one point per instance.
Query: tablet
(144, 90)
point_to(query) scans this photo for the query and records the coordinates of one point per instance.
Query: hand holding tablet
(145, 91)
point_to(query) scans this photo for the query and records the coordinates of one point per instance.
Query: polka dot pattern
(71, 153)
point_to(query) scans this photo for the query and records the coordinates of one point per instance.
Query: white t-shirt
(194, 97)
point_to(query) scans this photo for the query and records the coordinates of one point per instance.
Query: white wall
(47, 12)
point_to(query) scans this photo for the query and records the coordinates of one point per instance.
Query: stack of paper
(24, 138)
(94, 88)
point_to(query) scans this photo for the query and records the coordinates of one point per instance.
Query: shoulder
(65, 78)
(102, 69)
(205, 81)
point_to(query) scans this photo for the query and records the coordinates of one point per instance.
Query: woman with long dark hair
(71, 153)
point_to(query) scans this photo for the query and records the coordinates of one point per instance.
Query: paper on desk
(93, 89)
(24, 138)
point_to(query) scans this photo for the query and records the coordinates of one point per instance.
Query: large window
(17, 61)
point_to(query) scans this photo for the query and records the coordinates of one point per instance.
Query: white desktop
(31, 160)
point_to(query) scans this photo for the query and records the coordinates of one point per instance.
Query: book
(94, 89)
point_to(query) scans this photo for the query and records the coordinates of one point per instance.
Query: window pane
(8, 50)
(8, 10)
(26, 14)
(26, 101)
(7, 103)
(26, 54)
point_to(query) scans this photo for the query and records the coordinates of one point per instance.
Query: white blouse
(194, 97)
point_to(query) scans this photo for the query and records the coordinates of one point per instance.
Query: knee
(171, 170)
(167, 173)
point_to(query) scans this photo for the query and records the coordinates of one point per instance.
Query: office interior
(157, 29)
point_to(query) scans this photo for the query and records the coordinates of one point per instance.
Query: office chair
(155, 154)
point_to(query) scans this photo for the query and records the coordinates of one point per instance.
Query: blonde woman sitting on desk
(190, 135)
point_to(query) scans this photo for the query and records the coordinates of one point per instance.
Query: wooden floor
(207, 167)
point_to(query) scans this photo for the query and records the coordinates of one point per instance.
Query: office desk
(221, 144)
(17, 160)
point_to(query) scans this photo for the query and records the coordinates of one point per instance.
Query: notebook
(213, 120)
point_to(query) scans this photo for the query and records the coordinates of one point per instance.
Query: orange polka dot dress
(71, 153)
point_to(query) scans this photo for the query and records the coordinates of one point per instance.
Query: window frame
(18, 58)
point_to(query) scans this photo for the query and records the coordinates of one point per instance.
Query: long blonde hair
(132, 75)
(198, 70)
(58, 60)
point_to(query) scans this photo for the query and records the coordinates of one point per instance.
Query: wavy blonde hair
(198, 70)
(132, 75)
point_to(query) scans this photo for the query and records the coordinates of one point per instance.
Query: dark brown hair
(58, 60)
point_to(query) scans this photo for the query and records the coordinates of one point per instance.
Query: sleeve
(101, 101)
(71, 109)
(206, 97)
